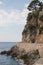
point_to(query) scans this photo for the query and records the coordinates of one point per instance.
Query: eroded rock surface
(28, 58)
(33, 30)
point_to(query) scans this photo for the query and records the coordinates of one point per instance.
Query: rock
(3, 52)
(41, 52)
(39, 62)
(33, 30)
(31, 57)
(8, 52)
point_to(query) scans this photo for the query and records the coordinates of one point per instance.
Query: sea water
(7, 60)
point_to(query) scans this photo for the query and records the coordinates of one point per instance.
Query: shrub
(40, 30)
(41, 18)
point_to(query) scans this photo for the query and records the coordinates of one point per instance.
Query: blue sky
(14, 4)
(13, 15)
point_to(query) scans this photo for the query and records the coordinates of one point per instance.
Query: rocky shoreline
(31, 47)
(29, 57)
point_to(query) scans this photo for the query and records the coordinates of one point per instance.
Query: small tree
(35, 5)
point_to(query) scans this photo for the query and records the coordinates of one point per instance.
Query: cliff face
(33, 30)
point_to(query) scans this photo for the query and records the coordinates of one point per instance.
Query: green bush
(41, 18)
(40, 30)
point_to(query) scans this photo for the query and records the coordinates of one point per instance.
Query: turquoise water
(7, 60)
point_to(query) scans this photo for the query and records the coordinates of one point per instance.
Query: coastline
(29, 53)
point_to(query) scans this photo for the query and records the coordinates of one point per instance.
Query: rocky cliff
(29, 53)
(33, 30)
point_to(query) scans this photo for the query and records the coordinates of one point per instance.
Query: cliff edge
(33, 30)
(32, 33)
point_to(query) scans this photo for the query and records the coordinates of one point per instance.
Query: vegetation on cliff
(33, 31)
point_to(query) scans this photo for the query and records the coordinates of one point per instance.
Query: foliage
(29, 17)
(40, 30)
(24, 32)
(35, 5)
(41, 18)
(32, 27)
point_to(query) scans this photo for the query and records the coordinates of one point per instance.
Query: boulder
(3, 52)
